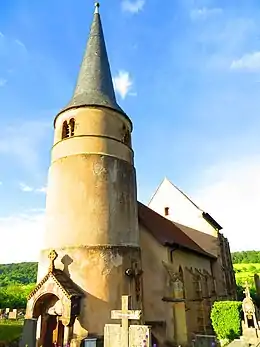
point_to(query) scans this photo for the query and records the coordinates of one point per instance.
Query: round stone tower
(91, 207)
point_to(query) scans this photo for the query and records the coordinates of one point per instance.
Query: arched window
(181, 273)
(126, 137)
(68, 129)
(65, 130)
(72, 126)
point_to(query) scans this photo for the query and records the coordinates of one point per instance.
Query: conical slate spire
(94, 86)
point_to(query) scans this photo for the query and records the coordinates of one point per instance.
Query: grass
(10, 330)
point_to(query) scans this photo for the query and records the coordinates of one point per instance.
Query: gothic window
(181, 276)
(197, 286)
(72, 126)
(68, 129)
(126, 137)
(65, 130)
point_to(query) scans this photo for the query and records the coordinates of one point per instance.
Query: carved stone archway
(56, 295)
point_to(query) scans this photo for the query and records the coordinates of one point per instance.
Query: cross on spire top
(97, 5)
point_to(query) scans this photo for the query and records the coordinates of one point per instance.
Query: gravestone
(13, 314)
(116, 335)
(7, 310)
(112, 335)
(29, 333)
(139, 336)
(125, 315)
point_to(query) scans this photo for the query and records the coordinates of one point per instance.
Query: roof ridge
(184, 194)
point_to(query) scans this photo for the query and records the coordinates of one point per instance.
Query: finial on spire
(52, 256)
(97, 5)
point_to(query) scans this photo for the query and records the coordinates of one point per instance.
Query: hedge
(226, 319)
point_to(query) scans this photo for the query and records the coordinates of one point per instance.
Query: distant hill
(246, 257)
(16, 282)
(21, 273)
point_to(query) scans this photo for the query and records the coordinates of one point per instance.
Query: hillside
(16, 282)
(21, 273)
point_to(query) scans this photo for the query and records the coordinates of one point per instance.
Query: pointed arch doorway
(50, 328)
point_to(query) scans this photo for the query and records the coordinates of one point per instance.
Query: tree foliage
(226, 319)
(246, 257)
(16, 282)
(21, 273)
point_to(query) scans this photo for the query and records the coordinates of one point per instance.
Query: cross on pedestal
(247, 290)
(125, 315)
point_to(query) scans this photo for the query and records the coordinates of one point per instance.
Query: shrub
(226, 319)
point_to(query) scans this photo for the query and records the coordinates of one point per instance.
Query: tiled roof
(166, 232)
(206, 241)
(69, 288)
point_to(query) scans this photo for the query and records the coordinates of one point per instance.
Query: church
(101, 243)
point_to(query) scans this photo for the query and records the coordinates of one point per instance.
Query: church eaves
(94, 85)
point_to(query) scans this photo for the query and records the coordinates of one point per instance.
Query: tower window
(68, 129)
(126, 137)
(166, 211)
(72, 126)
(65, 130)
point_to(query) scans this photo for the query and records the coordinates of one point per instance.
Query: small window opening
(166, 211)
(72, 126)
(65, 130)
(68, 129)
(126, 137)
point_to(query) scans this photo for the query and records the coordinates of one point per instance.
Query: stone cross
(52, 256)
(247, 291)
(125, 315)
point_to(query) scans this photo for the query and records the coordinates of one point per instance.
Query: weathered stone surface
(139, 336)
(112, 335)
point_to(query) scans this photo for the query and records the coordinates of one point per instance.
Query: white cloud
(2, 82)
(27, 230)
(231, 194)
(1, 34)
(25, 188)
(204, 13)
(41, 190)
(249, 62)
(132, 6)
(122, 83)
(29, 189)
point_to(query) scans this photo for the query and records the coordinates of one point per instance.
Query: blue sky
(187, 72)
